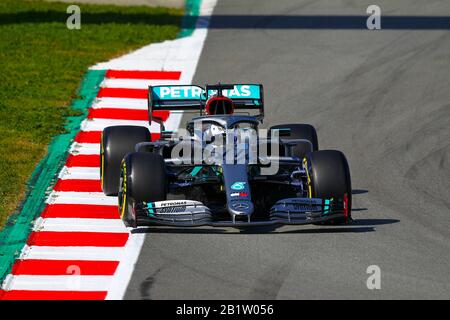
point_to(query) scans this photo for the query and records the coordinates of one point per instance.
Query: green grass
(41, 66)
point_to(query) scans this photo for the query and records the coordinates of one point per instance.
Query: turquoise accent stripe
(150, 206)
(326, 209)
(192, 11)
(196, 170)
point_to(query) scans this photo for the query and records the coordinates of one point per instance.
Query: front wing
(291, 211)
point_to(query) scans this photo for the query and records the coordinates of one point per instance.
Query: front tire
(329, 177)
(116, 143)
(143, 178)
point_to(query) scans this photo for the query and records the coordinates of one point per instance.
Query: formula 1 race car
(222, 170)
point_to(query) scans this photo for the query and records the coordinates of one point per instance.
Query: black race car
(222, 170)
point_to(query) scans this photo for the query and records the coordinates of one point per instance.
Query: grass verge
(42, 64)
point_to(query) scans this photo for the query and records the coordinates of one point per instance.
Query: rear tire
(116, 143)
(142, 178)
(300, 131)
(329, 177)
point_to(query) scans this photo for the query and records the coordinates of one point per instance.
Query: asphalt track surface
(383, 98)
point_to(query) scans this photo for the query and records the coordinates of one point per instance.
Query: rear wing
(193, 98)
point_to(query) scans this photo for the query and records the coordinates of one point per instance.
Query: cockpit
(208, 130)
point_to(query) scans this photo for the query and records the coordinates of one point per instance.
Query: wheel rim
(122, 195)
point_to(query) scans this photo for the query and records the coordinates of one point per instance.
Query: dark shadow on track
(375, 222)
(358, 226)
(334, 22)
(359, 191)
(340, 229)
(327, 22)
(192, 230)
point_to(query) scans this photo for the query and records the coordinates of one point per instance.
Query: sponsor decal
(170, 207)
(172, 210)
(171, 204)
(240, 206)
(196, 92)
(239, 194)
(240, 91)
(303, 208)
(177, 92)
(238, 186)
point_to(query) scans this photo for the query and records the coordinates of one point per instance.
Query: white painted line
(181, 54)
(126, 266)
(72, 253)
(135, 83)
(60, 283)
(65, 197)
(120, 103)
(85, 148)
(79, 173)
(80, 225)
(100, 124)
(172, 123)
